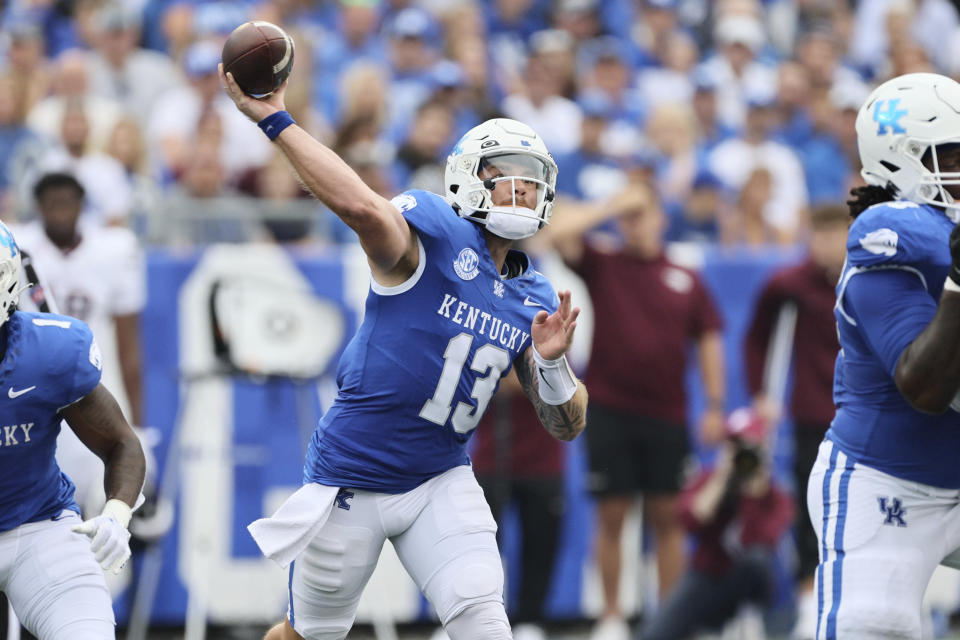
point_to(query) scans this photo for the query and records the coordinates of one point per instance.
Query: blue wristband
(274, 123)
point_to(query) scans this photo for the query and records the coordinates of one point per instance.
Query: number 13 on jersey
(488, 359)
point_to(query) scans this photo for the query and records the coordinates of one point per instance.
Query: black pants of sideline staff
(540, 504)
(704, 602)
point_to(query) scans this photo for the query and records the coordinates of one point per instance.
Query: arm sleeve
(706, 318)
(891, 308)
(86, 363)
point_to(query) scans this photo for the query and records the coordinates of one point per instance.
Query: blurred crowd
(739, 111)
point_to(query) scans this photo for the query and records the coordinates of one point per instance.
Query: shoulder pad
(895, 233)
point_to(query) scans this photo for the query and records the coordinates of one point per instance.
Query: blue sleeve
(891, 308)
(89, 363)
(73, 361)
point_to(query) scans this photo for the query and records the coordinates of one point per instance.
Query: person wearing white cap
(735, 66)
(172, 124)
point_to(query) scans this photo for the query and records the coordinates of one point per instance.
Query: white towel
(286, 533)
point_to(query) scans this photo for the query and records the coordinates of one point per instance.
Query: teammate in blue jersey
(884, 493)
(50, 369)
(451, 308)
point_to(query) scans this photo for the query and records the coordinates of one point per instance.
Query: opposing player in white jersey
(451, 308)
(50, 366)
(884, 493)
(95, 274)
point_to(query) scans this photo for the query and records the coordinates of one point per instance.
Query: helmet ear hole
(454, 188)
(892, 168)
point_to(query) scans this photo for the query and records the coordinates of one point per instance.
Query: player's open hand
(553, 333)
(251, 107)
(109, 541)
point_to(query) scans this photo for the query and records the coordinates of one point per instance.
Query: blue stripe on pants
(838, 546)
(823, 536)
(290, 591)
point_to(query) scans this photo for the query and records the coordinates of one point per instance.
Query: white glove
(109, 538)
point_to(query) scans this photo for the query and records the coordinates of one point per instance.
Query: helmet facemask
(517, 196)
(933, 183)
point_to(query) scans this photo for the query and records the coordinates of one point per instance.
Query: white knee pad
(483, 621)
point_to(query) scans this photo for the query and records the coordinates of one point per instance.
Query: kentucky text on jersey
(11, 433)
(467, 315)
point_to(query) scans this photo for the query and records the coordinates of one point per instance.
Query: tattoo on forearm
(564, 421)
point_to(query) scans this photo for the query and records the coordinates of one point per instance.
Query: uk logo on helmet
(888, 120)
(6, 240)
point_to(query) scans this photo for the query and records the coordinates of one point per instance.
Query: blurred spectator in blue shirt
(651, 32)
(825, 164)
(670, 83)
(604, 67)
(590, 173)
(735, 66)
(579, 18)
(18, 144)
(449, 84)
(174, 122)
(794, 126)
(354, 38)
(704, 102)
(121, 71)
(71, 84)
(413, 36)
(672, 131)
(25, 63)
(737, 160)
(703, 213)
(420, 159)
(539, 102)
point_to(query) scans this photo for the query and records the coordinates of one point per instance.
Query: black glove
(954, 273)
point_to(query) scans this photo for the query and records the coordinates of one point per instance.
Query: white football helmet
(902, 120)
(9, 273)
(506, 150)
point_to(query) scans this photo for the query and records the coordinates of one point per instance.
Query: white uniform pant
(53, 582)
(444, 535)
(880, 540)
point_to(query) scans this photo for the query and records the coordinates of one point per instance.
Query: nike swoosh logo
(17, 394)
(544, 379)
(527, 302)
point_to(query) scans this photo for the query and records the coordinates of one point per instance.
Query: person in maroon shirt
(738, 517)
(810, 286)
(517, 462)
(647, 313)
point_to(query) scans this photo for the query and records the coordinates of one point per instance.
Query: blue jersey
(50, 362)
(415, 379)
(897, 261)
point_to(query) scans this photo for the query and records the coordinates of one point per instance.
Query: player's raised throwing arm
(384, 234)
(559, 398)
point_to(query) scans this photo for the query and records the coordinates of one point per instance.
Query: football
(260, 57)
